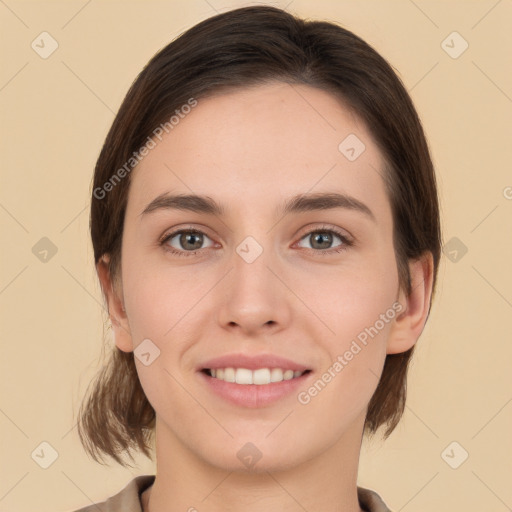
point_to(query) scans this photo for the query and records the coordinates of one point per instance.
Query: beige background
(55, 114)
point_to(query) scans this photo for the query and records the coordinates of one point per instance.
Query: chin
(246, 457)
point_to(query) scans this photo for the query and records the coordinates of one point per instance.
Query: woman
(266, 232)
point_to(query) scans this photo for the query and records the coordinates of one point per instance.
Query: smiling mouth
(259, 377)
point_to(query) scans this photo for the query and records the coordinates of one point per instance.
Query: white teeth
(288, 374)
(259, 377)
(276, 375)
(229, 375)
(243, 376)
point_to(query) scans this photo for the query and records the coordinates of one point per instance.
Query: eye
(184, 242)
(322, 239)
(187, 242)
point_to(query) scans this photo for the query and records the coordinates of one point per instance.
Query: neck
(327, 482)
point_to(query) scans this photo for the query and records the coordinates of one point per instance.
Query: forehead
(262, 144)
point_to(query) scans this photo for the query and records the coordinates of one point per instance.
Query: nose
(253, 297)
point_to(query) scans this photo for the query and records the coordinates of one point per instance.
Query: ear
(410, 322)
(115, 305)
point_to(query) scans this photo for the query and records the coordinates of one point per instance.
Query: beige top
(129, 498)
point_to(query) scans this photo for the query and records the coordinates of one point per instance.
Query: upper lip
(252, 362)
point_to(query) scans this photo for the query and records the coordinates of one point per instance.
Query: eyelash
(323, 229)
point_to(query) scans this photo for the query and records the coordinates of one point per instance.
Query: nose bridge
(253, 295)
(250, 249)
(254, 240)
(251, 261)
(254, 246)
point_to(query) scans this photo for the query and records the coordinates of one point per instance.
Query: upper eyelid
(175, 231)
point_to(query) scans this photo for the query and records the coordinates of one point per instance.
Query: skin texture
(250, 150)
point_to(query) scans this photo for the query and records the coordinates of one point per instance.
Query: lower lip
(253, 396)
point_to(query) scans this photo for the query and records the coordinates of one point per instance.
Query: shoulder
(126, 500)
(370, 501)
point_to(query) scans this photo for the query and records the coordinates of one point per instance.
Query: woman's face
(314, 285)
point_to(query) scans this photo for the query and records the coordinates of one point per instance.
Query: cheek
(158, 304)
(354, 297)
(355, 356)
(357, 307)
(158, 299)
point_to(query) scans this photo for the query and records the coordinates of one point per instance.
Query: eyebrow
(296, 204)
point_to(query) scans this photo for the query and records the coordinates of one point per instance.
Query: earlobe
(115, 306)
(409, 324)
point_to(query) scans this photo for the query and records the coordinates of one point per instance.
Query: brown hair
(236, 49)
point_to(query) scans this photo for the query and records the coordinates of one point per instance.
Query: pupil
(187, 237)
(327, 237)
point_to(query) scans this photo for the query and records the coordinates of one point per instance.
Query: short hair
(229, 51)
